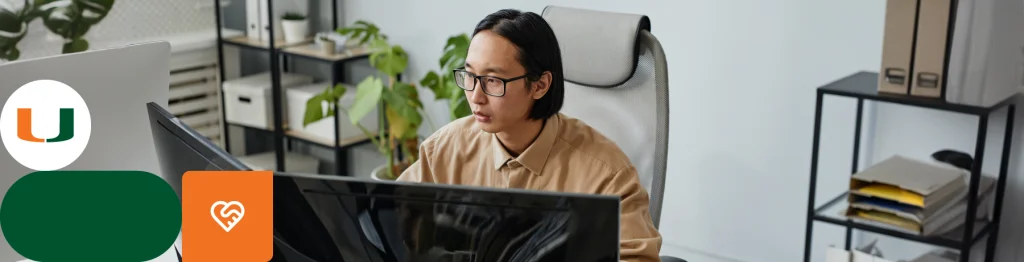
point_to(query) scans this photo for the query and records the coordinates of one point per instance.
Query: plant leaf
(12, 24)
(402, 103)
(339, 92)
(455, 52)
(77, 45)
(398, 126)
(408, 92)
(433, 82)
(392, 61)
(314, 110)
(402, 99)
(459, 107)
(368, 96)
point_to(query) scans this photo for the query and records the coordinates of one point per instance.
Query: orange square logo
(227, 216)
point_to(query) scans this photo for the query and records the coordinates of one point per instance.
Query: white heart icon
(228, 217)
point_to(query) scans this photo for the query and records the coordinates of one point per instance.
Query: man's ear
(542, 85)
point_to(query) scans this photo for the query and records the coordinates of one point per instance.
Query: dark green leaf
(455, 52)
(77, 45)
(433, 82)
(11, 55)
(72, 20)
(446, 58)
(368, 96)
(13, 25)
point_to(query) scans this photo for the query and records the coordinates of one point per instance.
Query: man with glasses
(516, 137)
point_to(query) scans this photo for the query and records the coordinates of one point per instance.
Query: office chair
(616, 81)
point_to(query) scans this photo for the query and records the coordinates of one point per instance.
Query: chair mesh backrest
(634, 115)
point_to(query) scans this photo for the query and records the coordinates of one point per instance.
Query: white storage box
(293, 162)
(248, 101)
(323, 130)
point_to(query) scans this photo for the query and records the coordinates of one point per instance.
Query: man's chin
(486, 127)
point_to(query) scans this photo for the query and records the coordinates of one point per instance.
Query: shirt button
(513, 163)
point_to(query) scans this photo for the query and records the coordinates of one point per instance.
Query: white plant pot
(380, 173)
(295, 30)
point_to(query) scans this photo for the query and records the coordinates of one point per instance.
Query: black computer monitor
(179, 148)
(333, 218)
(399, 221)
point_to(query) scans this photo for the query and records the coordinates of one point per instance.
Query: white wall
(742, 77)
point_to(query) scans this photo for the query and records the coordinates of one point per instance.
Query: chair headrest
(599, 48)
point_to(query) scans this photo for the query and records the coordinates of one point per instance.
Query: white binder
(265, 21)
(252, 19)
(987, 60)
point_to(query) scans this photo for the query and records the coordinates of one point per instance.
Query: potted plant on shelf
(443, 83)
(294, 26)
(402, 107)
(327, 45)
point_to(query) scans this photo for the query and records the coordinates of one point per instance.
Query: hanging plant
(70, 19)
(73, 19)
(14, 18)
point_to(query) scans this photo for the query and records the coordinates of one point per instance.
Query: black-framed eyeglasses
(492, 85)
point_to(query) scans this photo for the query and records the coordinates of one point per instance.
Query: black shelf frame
(277, 66)
(864, 86)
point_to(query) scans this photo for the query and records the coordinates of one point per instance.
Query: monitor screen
(397, 221)
(333, 218)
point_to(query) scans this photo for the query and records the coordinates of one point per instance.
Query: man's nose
(477, 96)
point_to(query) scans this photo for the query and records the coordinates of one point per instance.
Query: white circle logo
(45, 125)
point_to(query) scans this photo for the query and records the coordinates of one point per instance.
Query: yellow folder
(893, 193)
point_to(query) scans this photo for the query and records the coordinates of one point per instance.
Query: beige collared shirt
(567, 156)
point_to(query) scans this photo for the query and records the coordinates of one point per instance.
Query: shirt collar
(536, 155)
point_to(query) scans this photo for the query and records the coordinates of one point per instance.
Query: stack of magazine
(915, 197)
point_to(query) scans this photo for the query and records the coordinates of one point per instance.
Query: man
(516, 138)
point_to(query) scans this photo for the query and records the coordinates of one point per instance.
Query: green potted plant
(294, 26)
(327, 45)
(402, 107)
(443, 83)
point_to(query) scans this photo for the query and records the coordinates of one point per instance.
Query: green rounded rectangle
(90, 216)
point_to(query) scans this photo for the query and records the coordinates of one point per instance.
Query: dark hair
(538, 52)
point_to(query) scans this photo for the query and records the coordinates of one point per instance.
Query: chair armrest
(671, 259)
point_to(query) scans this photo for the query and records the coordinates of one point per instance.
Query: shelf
(244, 41)
(832, 212)
(303, 136)
(312, 51)
(251, 127)
(865, 85)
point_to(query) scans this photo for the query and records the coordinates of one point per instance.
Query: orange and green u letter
(67, 126)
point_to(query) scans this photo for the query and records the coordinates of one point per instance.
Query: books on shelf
(913, 196)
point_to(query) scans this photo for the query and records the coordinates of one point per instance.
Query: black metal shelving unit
(863, 86)
(279, 54)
